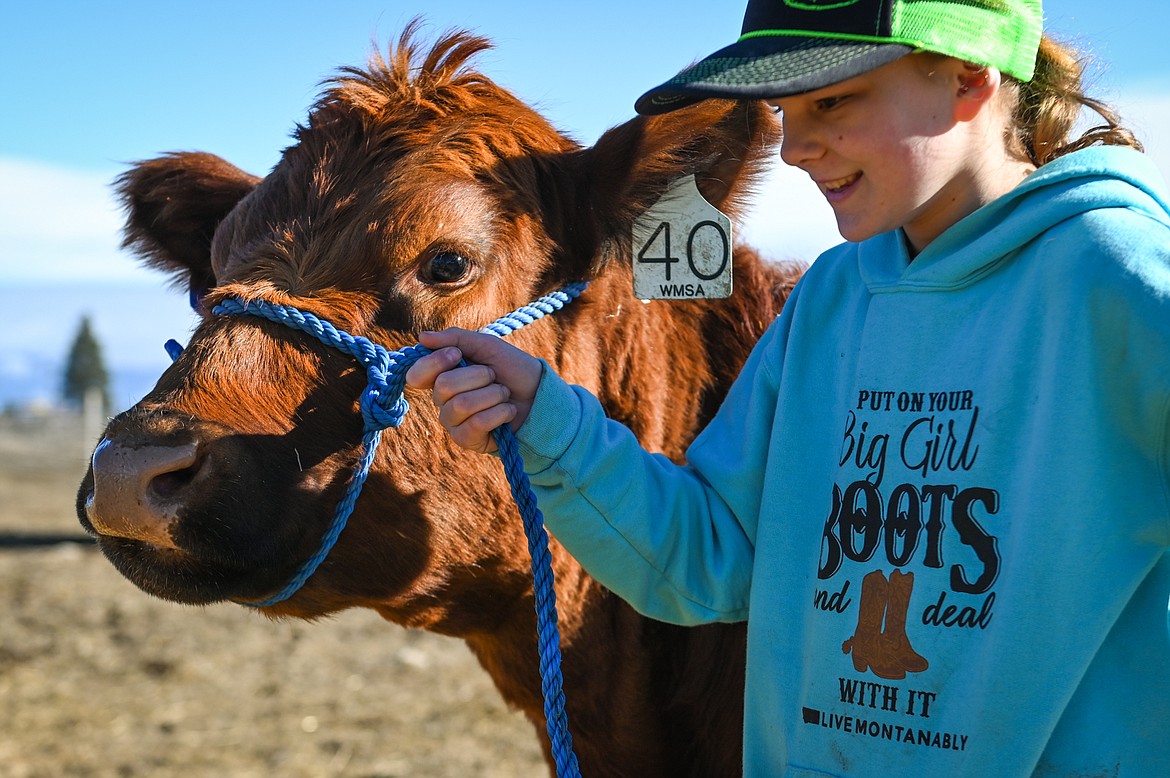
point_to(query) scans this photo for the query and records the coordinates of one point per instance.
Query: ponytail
(1047, 107)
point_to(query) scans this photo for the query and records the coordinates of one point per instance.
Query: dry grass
(98, 679)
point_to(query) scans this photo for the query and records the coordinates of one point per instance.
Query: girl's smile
(838, 189)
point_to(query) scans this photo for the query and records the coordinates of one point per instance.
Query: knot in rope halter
(383, 404)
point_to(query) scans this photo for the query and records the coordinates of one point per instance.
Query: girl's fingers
(463, 406)
(474, 399)
(422, 374)
(475, 433)
(461, 380)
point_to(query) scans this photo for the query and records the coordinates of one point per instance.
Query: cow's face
(222, 480)
(413, 198)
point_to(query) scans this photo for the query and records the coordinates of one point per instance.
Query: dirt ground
(98, 679)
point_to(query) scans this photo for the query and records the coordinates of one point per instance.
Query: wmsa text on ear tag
(682, 247)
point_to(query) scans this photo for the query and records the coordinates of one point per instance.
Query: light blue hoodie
(939, 492)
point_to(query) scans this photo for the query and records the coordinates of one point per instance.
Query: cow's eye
(447, 267)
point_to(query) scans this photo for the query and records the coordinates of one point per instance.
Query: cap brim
(769, 67)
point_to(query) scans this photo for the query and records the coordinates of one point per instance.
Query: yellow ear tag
(682, 247)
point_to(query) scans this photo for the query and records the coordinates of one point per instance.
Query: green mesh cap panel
(1002, 33)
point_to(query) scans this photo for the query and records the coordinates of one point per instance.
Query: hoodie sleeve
(675, 541)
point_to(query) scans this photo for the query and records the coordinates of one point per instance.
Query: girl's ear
(977, 84)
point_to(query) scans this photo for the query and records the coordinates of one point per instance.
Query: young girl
(939, 492)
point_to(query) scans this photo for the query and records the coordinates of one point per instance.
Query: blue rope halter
(383, 405)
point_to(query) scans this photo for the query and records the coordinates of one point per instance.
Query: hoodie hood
(1082, 181)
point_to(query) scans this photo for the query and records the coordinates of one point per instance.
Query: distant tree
(86, 370)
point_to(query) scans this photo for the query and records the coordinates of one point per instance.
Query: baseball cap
(791, 46)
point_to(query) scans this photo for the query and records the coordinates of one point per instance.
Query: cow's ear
(173, 205)
(725, 144)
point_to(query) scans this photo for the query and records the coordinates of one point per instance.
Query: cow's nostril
(167, 485)
(138, 488)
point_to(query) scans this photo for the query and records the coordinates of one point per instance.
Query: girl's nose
(798, 144)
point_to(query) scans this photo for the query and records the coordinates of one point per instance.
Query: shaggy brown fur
(421, 195)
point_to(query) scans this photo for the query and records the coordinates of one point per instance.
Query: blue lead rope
(383, 405)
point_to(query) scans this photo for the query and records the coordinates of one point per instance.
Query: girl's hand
(496, 388)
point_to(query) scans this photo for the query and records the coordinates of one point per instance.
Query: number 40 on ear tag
(682, 247)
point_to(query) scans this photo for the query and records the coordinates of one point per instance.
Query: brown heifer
(420, 195)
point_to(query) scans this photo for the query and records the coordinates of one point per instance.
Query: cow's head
(417, 195)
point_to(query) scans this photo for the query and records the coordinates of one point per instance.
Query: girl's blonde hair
(1047, 107)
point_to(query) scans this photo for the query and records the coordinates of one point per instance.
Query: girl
(939, 492)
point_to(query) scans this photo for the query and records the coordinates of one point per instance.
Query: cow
(421, 195)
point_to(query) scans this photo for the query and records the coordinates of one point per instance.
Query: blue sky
(90, 87)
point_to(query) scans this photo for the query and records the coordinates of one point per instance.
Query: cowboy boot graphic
(868, 644)
(897, 605)
(879, 642)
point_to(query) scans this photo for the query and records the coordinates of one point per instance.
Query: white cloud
(58, 224)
